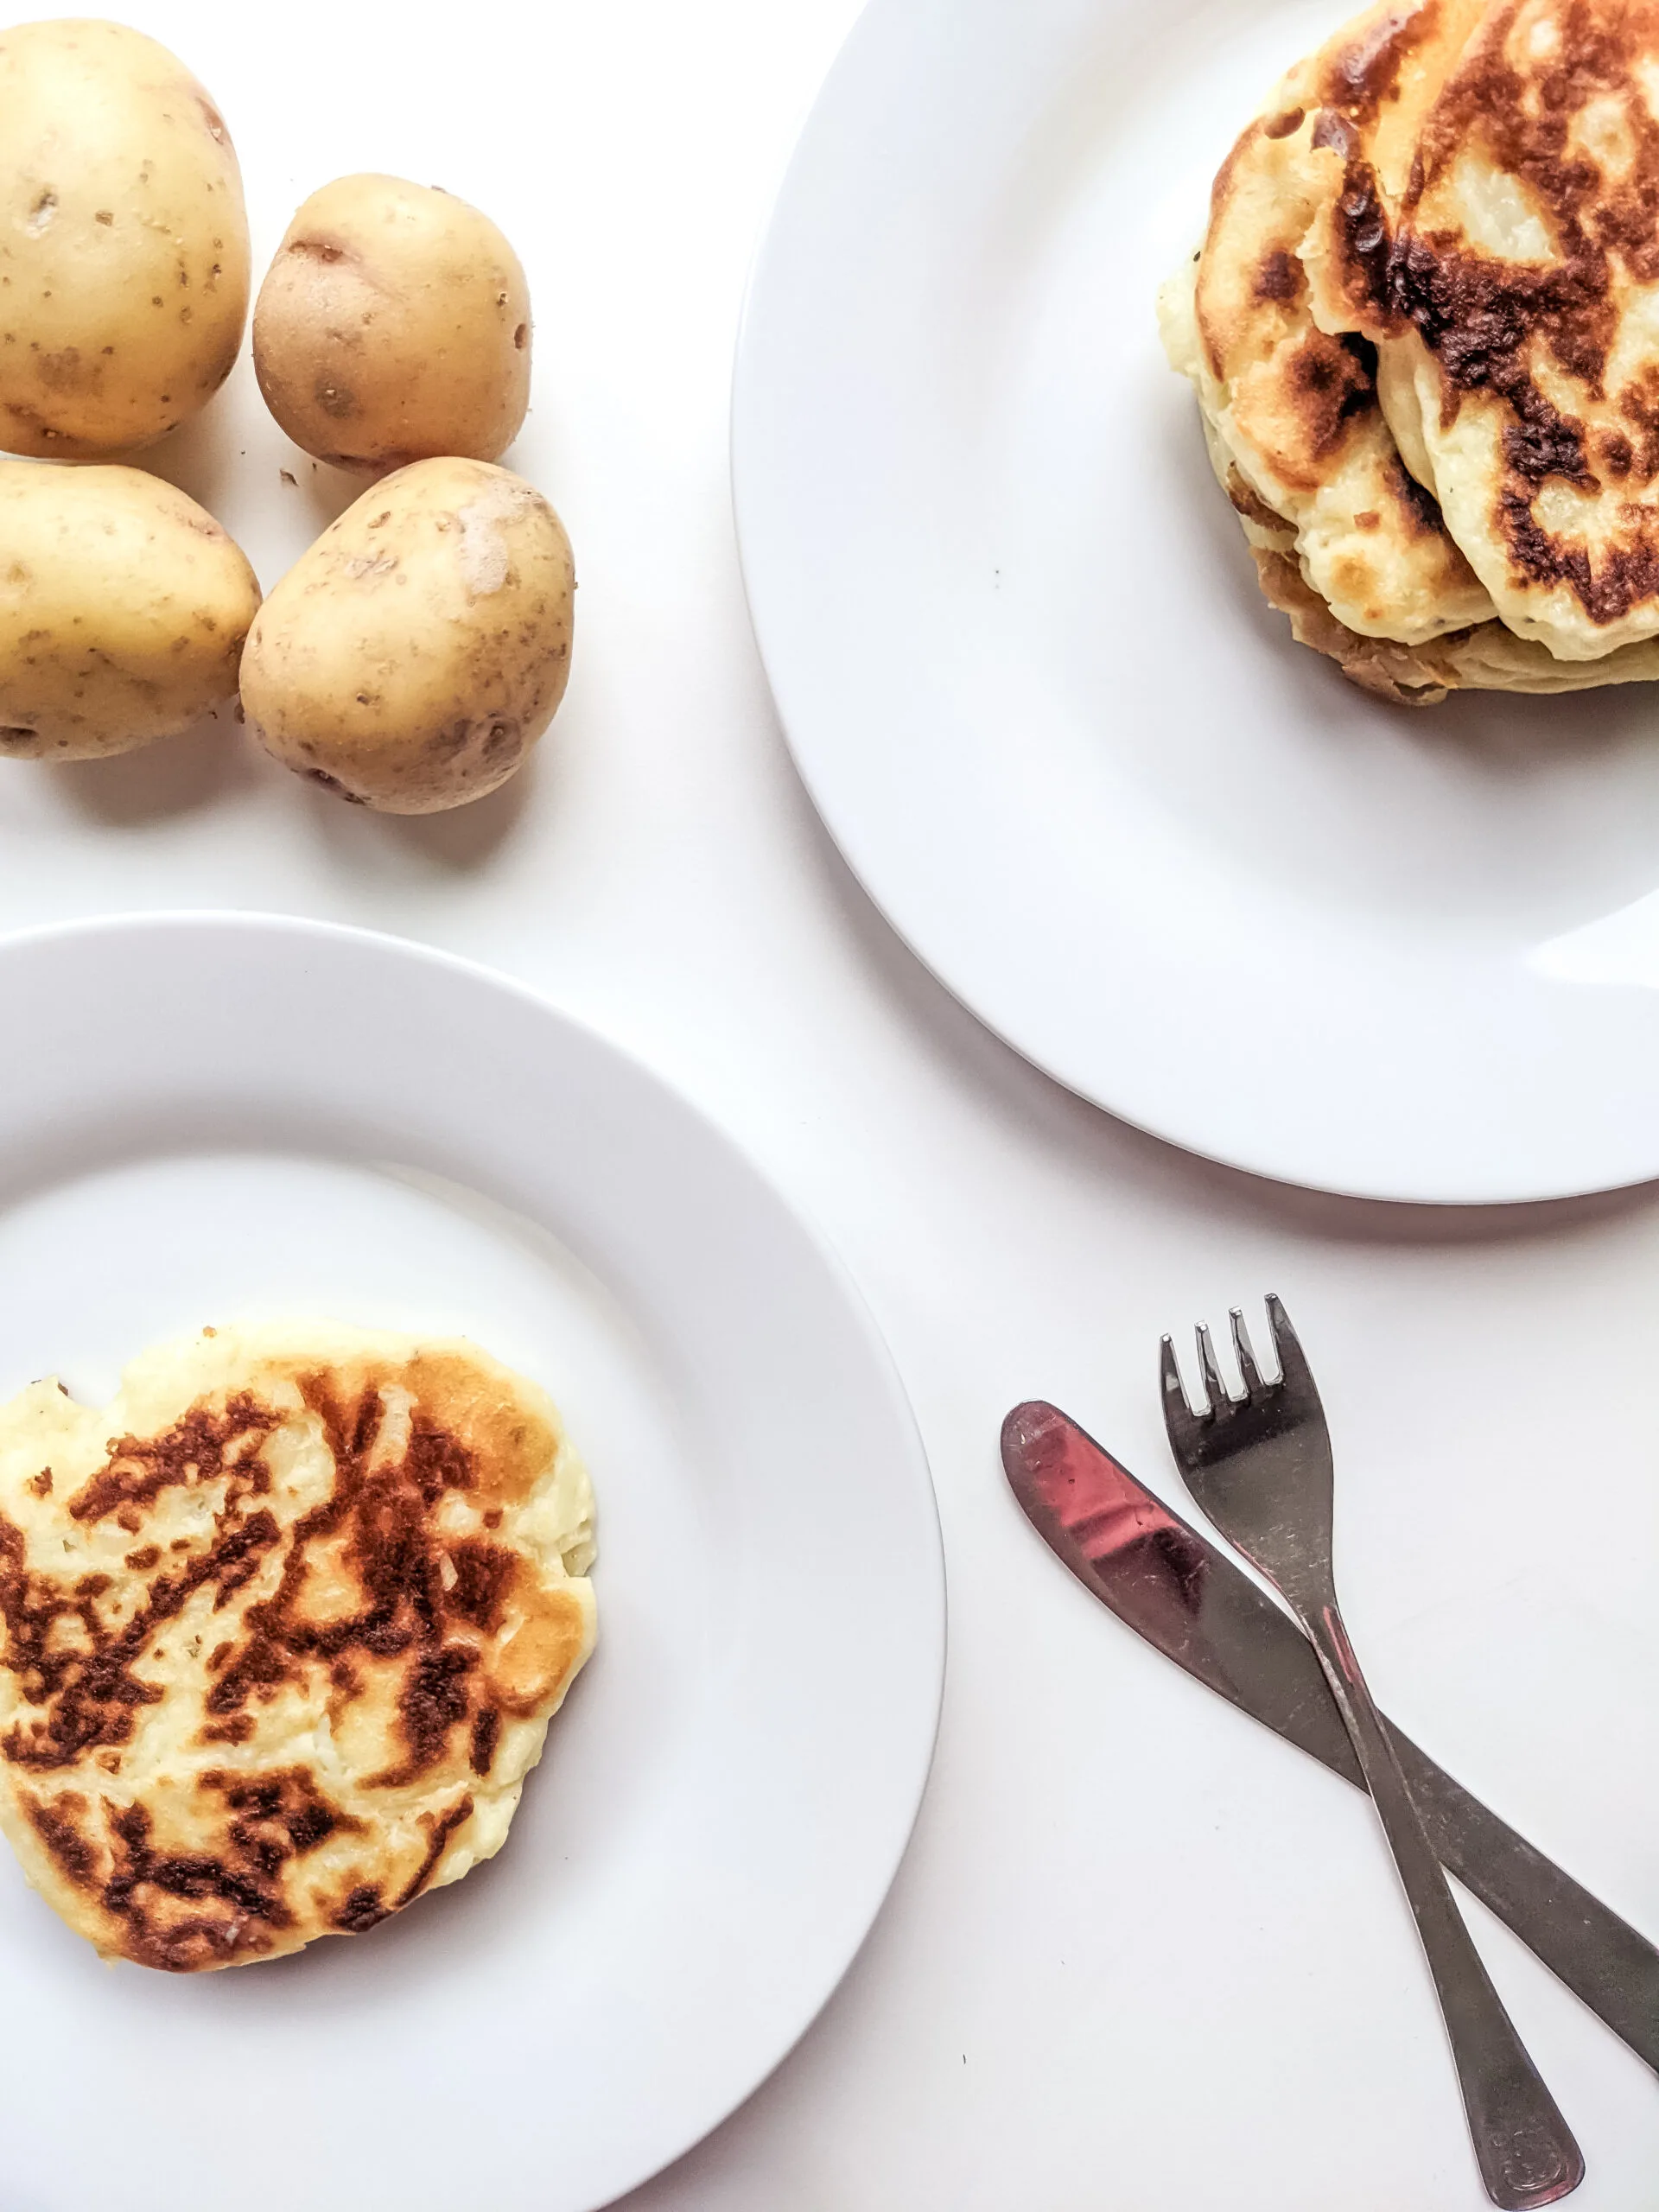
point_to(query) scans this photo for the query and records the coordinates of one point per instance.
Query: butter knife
(1185, 1597)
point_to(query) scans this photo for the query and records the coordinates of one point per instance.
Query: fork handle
(1523, 2146)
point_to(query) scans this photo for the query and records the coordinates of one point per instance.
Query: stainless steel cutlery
(1260, 1466)
(1183, 1594)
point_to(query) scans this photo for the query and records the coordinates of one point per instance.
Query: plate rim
(931, 1594)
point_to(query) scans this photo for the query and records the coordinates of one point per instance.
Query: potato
(123, 244)
(122, 610)
(410, 659)
(393, 325)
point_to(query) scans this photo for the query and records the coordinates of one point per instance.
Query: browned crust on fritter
(1360, 76)
(408, 1614)
(1489, 322)
(1254, 508)
(1304, 401)
(1332, 381)
(1404, 674)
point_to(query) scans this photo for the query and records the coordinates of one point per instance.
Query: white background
(1235, 2015)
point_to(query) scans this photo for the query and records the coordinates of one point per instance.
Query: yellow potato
(122, 610)
(411, 658)
(123, 244)
(393, 325)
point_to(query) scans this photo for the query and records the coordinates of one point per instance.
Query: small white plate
(210, 1116)
(1016, 642)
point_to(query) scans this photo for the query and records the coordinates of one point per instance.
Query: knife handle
(1600, 1957)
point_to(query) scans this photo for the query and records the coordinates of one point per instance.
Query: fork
(1259, 1468)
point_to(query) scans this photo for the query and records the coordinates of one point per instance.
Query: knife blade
(1185, 1597)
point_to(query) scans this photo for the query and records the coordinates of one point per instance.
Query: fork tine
(1294, 1371)
(1220, 1396)
(1246, 1356)
(1181, 1422)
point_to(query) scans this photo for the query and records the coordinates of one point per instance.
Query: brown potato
(414, 655)
(124, 242)
(122, 610)
(393, 325)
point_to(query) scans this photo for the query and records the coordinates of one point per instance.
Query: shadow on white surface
(208, 764)
(209, 458)
(456, 842)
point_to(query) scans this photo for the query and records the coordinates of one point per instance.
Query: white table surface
(1017, 2036)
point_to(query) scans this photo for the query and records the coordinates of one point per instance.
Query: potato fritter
(281, 1633)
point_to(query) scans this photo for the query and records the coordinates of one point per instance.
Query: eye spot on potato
(40, 214)
(333, 782)
(334, 399)
(316, 249)
(520, 337)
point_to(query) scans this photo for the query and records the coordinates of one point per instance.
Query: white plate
(1016, 642)
(215, 1115)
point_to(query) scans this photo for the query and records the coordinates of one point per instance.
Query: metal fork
(1259, 1468)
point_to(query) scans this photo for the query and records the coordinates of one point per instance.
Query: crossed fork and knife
(1259, 1466)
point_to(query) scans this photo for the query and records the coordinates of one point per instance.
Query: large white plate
(1016, 643)
(215, 1115)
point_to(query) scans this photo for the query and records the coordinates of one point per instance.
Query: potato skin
(393, 325)
(123, 606)
(123, 241)
(411, 658)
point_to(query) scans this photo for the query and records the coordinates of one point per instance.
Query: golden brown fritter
(1424, 328)
(280, 1632)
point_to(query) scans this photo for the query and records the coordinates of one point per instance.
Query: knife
(1184, 1596)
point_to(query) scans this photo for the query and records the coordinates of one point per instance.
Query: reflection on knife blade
(1184, 1596)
